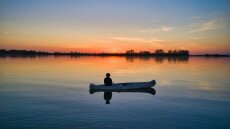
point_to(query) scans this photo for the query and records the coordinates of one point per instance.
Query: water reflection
(108, 95)
(178, 59)
(193, 92)
(139, 58)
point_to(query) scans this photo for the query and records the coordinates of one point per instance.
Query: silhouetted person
(107, 97)
(108, 81)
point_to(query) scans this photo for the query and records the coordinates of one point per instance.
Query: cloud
(131, 39)
(204, 26)
(163, 29)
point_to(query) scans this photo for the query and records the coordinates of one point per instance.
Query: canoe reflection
(108, 95)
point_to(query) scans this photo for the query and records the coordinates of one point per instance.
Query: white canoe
(123, 86)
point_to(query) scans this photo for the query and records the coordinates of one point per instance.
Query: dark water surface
(53, 92)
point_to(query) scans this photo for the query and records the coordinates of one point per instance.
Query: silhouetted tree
(178, 52)
(170, 52)
(131, 51)
(145, 53)
(159, 51)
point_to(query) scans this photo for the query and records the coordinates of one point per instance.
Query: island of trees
(131, 52)
(158, 52)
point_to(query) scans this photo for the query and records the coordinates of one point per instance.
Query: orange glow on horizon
(100, 48)
(90, 44)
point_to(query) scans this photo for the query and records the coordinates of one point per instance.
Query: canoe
(142, 90)
(123, 86)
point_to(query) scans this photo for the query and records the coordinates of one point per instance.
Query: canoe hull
(123, 86)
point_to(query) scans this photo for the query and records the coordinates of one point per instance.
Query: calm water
(53, 92)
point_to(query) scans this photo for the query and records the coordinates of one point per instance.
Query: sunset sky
(201, 26)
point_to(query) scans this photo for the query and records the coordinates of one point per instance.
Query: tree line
(131, 52)
(159, 52)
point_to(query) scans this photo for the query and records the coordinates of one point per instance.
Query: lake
(53, 92)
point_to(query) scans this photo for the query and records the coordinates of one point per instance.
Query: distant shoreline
(32, 53)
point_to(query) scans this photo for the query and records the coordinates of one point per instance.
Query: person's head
(107, 74)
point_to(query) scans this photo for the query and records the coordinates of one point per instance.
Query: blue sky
(118, 24)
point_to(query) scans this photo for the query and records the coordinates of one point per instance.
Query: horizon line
(95, 53)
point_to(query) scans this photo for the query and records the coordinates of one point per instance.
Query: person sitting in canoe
(108, 81)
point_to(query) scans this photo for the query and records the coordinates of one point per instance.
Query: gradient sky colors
(201, 26)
